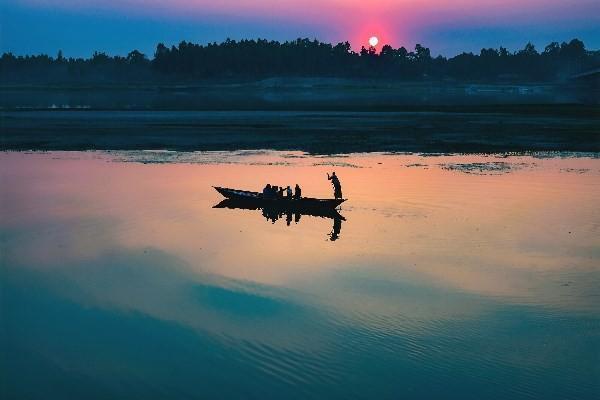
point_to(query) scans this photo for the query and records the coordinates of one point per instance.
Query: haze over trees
(259, 59)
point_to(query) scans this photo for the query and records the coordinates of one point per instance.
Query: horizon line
(256, 39)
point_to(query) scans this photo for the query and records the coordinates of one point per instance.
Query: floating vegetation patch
(488, 168)
(575, 170)
(333, 155)
(195, 157)
(562, 154)
(337, 164)
(294, 155)
(438, 154)
(172, 157)
(280, 163)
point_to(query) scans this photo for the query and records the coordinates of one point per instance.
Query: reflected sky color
(449, 269)
(443, 218)
(446, 27)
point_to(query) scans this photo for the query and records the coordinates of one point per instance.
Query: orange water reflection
(524, 229)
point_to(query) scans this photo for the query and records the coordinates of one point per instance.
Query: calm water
(451, 276)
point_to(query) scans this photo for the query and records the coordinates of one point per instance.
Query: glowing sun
(373, 41)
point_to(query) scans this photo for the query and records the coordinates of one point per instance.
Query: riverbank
(454, 129)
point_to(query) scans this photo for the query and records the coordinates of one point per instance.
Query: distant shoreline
(305, 94)
(481, 129)
(313, 115)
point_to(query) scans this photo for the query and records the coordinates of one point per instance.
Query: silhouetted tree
(260, 58)
(135, 57)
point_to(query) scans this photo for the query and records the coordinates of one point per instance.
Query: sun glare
(373, 41)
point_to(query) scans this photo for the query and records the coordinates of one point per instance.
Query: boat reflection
(273, 213)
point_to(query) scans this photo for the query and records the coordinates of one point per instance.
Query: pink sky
(397, 22)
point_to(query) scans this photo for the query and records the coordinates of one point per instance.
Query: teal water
(451, 277)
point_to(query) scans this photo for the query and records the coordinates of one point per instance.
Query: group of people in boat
(278, 192)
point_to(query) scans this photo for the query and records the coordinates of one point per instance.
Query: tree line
(258, 59)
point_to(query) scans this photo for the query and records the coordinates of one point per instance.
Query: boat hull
(258, 200)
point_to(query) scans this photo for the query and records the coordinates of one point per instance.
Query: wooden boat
(257, 199)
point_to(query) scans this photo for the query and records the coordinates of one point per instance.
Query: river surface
(443, 276)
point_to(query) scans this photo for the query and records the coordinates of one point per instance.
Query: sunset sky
(79, 27)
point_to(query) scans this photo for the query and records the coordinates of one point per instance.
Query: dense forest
(257, 59)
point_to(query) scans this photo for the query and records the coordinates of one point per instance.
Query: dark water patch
(243, 304)
(316, 132)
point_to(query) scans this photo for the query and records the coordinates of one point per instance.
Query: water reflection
(457, 277)
(273, 213)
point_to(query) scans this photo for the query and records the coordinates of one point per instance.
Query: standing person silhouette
(337, 186)
(297, 192)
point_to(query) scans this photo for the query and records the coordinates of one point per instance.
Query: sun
(373, 41)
